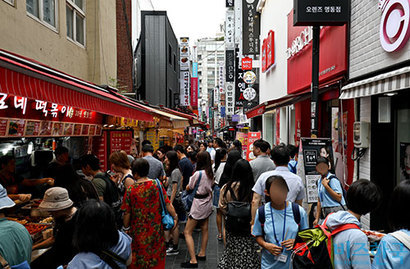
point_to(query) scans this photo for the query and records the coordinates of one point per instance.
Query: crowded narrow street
(217, 134)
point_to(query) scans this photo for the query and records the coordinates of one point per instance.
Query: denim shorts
(217, 191)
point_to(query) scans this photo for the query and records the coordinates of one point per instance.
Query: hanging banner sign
(194, 92)
(230, 29)
(184, 89)
(250, 27)
(240, 85)
(230, 98)
(184, 53)
(230, 65)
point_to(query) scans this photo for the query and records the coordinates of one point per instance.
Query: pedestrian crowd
(137, 213)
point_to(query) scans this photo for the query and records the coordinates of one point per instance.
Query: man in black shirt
(185, 165)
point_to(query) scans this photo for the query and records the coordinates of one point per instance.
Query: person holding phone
(330, 192)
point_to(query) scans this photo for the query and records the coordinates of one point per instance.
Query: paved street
(214, 250)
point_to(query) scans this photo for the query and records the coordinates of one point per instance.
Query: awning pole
(315, 82)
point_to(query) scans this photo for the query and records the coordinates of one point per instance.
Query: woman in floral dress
(142, 219)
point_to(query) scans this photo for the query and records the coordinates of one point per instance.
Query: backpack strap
(403, 238)
(344, 227)
(110, 258)
(296, 213)
(4, 263)
(261, 218)
(343, 190)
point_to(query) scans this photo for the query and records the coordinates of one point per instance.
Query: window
(169, 54)
(75, 19)
(175, 62)
(43, 10)
(11, 2)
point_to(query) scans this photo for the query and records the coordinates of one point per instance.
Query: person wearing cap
(15, 241)
(156, 168)
(57, 202)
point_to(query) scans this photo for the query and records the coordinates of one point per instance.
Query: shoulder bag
(188, 196)
(167, 219)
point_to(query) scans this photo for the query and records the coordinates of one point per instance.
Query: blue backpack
(295, 210)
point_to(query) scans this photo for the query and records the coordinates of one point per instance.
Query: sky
(192, 18)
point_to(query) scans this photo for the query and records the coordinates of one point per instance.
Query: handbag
(167, 219)
(187, 197)
(238, 216)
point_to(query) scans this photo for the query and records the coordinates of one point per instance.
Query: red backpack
(314, 247)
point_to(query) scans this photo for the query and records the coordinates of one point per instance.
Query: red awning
(256, 111)
(22, 77)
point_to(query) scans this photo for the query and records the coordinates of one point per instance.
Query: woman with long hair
(236, 145)
(96, 235)
(240, 250)
(233, 156)
(218, 166)
(201, 208)
(174, 181)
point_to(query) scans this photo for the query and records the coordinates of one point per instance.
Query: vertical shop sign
(184, 89)
(230, 29)
(240, 85)
(230, 65)
(250, 27)
(230, 98)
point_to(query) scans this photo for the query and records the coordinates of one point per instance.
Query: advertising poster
(86, 129)
(68, 129)
(58, 129)
(311, 149)
(3, 127)
(92, 130)
(77, 129)
(184, 88)
(46, 128)
(252, 137)
(184, 53)
(16, 127)
(250, 27)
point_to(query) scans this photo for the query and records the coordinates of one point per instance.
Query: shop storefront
(379, 74)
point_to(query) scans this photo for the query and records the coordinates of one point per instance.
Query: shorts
(217, 192)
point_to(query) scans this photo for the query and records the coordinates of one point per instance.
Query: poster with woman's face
(405, 161)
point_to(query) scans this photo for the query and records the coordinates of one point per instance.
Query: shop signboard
(240, 85)
(246, 63)
(230, 3)
(270, 50)
(333, 55)
(184, 89)
(321, 12)
(194, 92)
(230, 98)
(230, 29)
(120, 140)
(394, 24)
(194, 69)
(264, 55)
(184, 53)
(250, 27)
(230, 65)
(252, 137)
(311, 149)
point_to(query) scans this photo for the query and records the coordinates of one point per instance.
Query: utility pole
(314, 109)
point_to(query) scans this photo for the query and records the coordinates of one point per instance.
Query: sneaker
(219, 236)
(172, 252)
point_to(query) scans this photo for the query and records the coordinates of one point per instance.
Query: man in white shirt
(281, 159)
(211, 150)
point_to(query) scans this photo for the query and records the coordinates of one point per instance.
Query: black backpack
(238, 216)
(295, 210)
(112, 196)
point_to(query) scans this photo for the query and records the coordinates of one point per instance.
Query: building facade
(210, 52)
(156, 60)
(379, 75)
(72, 36)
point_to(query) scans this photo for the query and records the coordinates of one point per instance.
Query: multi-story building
(74, 36)
(156, 60)
(210, 51)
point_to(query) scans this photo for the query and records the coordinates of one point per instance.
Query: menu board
(32, 128)
(92, 130)
(58, 129)
(100, 150)
(46, 128)
(77, 129)
(121, 140)
(68, 128)
(3, 127)
(85, 130)
(16, 127)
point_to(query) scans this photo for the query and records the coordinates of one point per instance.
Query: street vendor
(12, 182)
(59, 205)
